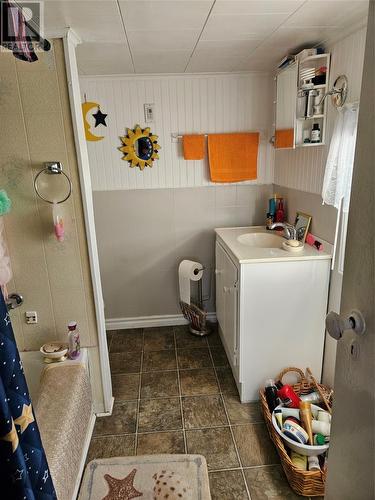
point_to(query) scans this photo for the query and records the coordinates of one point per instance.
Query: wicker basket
(305, 483)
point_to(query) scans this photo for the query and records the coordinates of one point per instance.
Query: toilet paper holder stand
(195, 313)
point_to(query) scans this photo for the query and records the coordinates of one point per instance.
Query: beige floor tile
(127, 340)
(160, 442)
(159, 360)
(159, 384)
(111, 446)
(125, 386)
(194, 358)
(216, 445)
(198, 382)
(157, 339)
(159, 415)
(269, 483)
(240, 413)
(203, 411)
(122, 421)
(227, 485)
(186, 339)
(125, 362)
(254, 445)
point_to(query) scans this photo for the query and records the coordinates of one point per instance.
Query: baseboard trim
(150, 321)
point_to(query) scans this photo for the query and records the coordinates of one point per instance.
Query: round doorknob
(337, 324)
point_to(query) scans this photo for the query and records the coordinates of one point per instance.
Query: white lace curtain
(337, 182)
(339, 167)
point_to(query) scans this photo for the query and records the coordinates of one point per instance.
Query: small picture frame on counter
(302, 224)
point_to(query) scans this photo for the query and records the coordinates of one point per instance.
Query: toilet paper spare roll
(188, 270)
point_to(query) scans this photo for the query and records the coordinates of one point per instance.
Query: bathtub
(33, 366)
(62, 401)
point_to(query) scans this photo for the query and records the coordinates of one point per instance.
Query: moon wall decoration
(140, 147)
(86, 107)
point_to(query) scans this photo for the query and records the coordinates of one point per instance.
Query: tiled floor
(175, 393)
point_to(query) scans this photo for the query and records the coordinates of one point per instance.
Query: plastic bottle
(280, 215)
(315, 133)
(313, 397)
(288, 396)
(271, 394)
(313, 462)
(74, 341)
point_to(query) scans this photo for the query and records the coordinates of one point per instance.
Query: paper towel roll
(188, 270)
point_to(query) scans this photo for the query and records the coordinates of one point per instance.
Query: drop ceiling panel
(158, 15)
(104, 59)
(256, 6)
(234, 27)
(230, 48)
(92, 21)
(328, 13)
(205, 61)
(161, 61)
(163, 40)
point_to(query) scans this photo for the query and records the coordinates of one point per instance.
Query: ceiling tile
(237, 27)
(162, 61)
(256, 6)
(206, 62)
(328, 13)
(104, 59)
(163, 40)
(230, 48)
(92, 21)
(164, 15)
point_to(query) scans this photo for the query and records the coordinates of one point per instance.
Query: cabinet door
(226, 300)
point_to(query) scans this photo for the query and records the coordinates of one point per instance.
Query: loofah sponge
(5, 203)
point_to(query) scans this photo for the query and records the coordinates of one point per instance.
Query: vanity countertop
(250, 254)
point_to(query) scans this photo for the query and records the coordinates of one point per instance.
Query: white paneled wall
(183, 104)
(303, 168)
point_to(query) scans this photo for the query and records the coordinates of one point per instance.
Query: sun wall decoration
(140, 147)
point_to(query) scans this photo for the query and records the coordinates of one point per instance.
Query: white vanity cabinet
(271, 308)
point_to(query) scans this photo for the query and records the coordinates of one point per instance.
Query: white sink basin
(260, 240)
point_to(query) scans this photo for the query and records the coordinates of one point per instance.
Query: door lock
(337, 324)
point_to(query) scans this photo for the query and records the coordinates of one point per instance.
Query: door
(351, 457)
(226, 300)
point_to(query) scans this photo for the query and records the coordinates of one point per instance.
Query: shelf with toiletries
(301, 110)
(311, 108)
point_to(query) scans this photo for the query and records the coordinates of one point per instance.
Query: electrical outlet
(31, 317)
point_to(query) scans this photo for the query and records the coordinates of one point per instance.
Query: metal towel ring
(54, 167)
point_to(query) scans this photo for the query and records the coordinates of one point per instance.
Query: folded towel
(284, 138)
(193, 146)
(233, 157)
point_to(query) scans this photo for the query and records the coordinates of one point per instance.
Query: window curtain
(337, 182)
(24, 472)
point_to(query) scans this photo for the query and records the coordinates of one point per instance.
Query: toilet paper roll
(188, 270)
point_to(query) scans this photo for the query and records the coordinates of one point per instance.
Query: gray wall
(323, 222)
(144, 234)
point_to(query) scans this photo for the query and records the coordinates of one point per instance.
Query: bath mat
(148, 477)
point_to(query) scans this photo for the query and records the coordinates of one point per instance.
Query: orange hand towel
(193, 146)
(233, 157)
(284, 138)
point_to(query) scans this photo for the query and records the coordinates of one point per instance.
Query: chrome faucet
(290, 230)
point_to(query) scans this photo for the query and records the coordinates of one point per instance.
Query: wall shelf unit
(299, 102)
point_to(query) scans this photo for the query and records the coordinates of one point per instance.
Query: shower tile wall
(35, 127)
(150, 231)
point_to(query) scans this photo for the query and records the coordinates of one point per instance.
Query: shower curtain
(24, 472)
